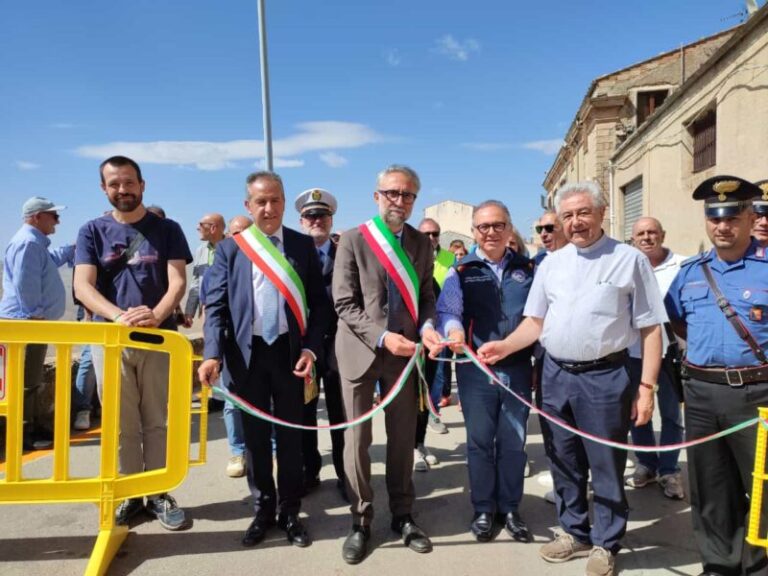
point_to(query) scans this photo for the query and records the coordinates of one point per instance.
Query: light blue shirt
(450, 305)
(32, 287)
(594, 300)
(260, 281)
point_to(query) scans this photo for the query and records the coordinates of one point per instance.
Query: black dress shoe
(482, 526)
(258, 529)
(516, 527)
(294, 529)
(354, 548)
(413, 536)
(310, 483)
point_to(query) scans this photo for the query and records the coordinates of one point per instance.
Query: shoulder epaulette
(693, 259)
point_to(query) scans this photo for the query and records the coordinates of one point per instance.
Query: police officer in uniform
(728, 378)
(316, 208)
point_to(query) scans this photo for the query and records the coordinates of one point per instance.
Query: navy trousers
(496, 433)
(598, 402)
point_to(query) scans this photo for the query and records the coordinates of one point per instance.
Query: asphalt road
(57, 539)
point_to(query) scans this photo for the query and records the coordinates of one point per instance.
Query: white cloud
(333, 159)
(455, 50)
(392, 57)
(548, 147)
(25, 165)
(204, 155)
(487, 146)
(280, 163)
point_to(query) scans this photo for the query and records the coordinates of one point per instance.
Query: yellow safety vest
(443, 261)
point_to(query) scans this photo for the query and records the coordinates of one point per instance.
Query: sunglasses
(54, 215)
(433, 234)
(548, 228)
(393, 195)
(315, 215)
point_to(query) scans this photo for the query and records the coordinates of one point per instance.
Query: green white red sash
(267, 258)
(395, 261)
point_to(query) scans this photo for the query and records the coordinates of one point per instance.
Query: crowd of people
(589, 329)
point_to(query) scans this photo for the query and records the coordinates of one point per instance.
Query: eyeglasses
(54, 215)
(486, 227)
(315, 215)
(394, 195)
(204, 224)
(433, 234)
(548, 228)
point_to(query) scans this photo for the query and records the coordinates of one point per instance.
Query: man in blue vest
(482, 300)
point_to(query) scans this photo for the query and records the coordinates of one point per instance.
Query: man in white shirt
(648, 237)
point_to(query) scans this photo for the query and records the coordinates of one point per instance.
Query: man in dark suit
(381, 316)
(257, 325)
(316, 208)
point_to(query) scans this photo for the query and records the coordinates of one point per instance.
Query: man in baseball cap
(33, 290)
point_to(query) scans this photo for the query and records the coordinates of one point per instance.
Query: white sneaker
(236, 467)
(428, 456)
(420, 463)
(82, 420)
(436, 425)
(545, 479)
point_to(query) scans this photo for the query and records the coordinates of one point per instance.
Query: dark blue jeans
(671, 424)
(85, 381)
(598, 402)
(496, 433)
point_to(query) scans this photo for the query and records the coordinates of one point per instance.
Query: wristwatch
(652, 387)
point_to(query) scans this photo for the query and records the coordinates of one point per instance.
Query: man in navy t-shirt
(131, 269)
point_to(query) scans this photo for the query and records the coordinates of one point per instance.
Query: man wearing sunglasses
(550, 230)
(33, 290)
(316, 208)
(211, 231)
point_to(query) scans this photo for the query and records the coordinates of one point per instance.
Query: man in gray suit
(382, 288)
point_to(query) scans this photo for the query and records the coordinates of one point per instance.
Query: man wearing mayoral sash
(382, 289)
(265, 316)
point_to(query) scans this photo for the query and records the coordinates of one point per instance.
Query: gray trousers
(143, 407)
(34, 362)
(400, 423)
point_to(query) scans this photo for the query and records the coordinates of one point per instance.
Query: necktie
(321, 256)
(270, 303)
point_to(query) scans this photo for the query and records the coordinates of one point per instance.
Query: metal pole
(265, 88)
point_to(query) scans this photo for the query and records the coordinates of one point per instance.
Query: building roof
(742, 32)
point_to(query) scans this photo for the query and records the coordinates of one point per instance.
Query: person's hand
(149, 320)
(303, 368)
(457, 341)
(134, 315)
(642, 407)
(399, 345)
(432, 340)
(208, 371)
(493, 351)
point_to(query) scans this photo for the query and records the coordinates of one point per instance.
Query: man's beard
(126, 202)
(394, 218)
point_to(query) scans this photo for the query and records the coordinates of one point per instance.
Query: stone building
(636, 130)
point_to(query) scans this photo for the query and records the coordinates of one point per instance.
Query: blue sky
(476, 96)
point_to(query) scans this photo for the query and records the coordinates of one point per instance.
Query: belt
(586, 366)
(734, 377)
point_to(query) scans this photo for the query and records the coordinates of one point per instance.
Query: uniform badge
(316, 195)
(764, 188)
(725, 187)
(746, 294)
(518, 276)
(760, 252)
(756, 314)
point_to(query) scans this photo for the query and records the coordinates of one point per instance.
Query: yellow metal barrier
(107, 489)
(202, 412)
(759, 476)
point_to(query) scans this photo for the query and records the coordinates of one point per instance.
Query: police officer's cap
(316, 202)
(725, 195)
(760, 203)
